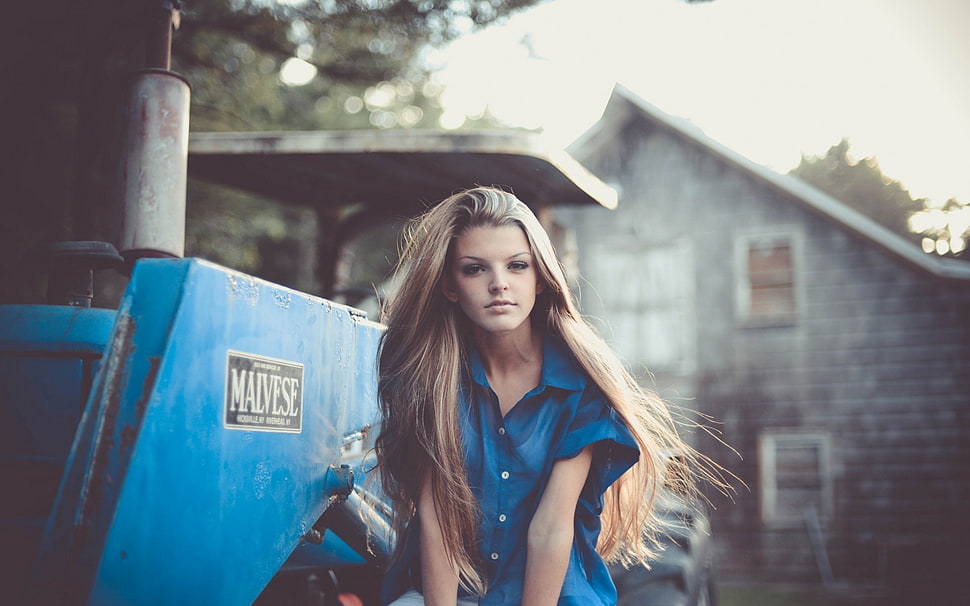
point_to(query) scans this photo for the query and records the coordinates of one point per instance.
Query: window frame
(744, 245)
(768, 447)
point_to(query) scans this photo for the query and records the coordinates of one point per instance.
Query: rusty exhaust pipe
(156, 150)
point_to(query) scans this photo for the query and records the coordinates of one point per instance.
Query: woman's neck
(512, 363)
(504, 353)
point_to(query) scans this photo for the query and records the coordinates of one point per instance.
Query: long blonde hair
(424, 355)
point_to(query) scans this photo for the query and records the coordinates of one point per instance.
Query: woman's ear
(540, 287)
(448, 290)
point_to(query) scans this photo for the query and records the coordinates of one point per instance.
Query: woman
(517, 451)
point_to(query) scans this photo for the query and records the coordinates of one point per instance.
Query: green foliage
(68, 64)
(361, 62)
(252, 234)
(862, 185)
(234, 52)
(768, 595)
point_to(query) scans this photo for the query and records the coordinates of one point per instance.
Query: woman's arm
(550, 538)
(439, 578)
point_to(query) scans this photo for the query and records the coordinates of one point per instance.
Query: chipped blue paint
(160, 502)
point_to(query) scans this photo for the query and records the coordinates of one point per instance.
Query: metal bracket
(338, 485)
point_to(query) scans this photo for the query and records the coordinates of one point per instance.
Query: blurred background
(788, 256)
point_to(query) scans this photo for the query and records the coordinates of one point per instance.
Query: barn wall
(877, 361)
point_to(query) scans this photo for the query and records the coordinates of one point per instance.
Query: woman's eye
(471, 270)
(518, 265)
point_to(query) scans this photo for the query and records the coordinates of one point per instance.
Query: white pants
(412, 598)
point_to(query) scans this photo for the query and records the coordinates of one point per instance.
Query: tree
(240, 59)
(860, 184)
(359, 67)
(67, 63)
(945, 229)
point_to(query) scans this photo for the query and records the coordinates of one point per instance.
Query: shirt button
(501, 431)
(505, 475)
(502, 517)
(494, 556)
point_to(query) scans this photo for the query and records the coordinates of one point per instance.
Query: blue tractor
(206, 441)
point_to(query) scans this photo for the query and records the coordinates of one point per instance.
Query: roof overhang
(397, 172)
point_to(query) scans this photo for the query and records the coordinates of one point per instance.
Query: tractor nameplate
(263, 394)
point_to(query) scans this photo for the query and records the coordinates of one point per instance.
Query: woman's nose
(499, 283)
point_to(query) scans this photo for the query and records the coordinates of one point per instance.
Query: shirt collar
(559, 368)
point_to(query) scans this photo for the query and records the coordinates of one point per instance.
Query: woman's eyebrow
(474, 258)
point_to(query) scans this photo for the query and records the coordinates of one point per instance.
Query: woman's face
(493, 279)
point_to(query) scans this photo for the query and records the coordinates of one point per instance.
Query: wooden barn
(833, 354)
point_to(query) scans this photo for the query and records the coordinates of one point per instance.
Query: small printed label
(263, 394)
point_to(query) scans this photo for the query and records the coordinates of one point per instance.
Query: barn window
(796, 477)
(767, 292)
(648, 300)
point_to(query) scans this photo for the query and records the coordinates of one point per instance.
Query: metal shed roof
(624, 104)
(396, 172)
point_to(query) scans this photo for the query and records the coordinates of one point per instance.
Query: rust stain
(111, 451)
(129, 433)
(116, 376)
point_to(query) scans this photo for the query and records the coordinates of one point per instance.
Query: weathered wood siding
(878, 359)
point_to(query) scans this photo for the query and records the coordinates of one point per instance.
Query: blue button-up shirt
(509, 461)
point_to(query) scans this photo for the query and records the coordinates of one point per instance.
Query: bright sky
(769, 78)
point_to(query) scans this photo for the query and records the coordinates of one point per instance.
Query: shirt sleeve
(615, 449)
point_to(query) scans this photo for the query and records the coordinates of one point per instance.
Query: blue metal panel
(162, 502)
(49, 329)
(333, 551)
(48, 356)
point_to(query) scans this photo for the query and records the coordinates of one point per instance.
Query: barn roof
(624, 105)
(393, 171)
